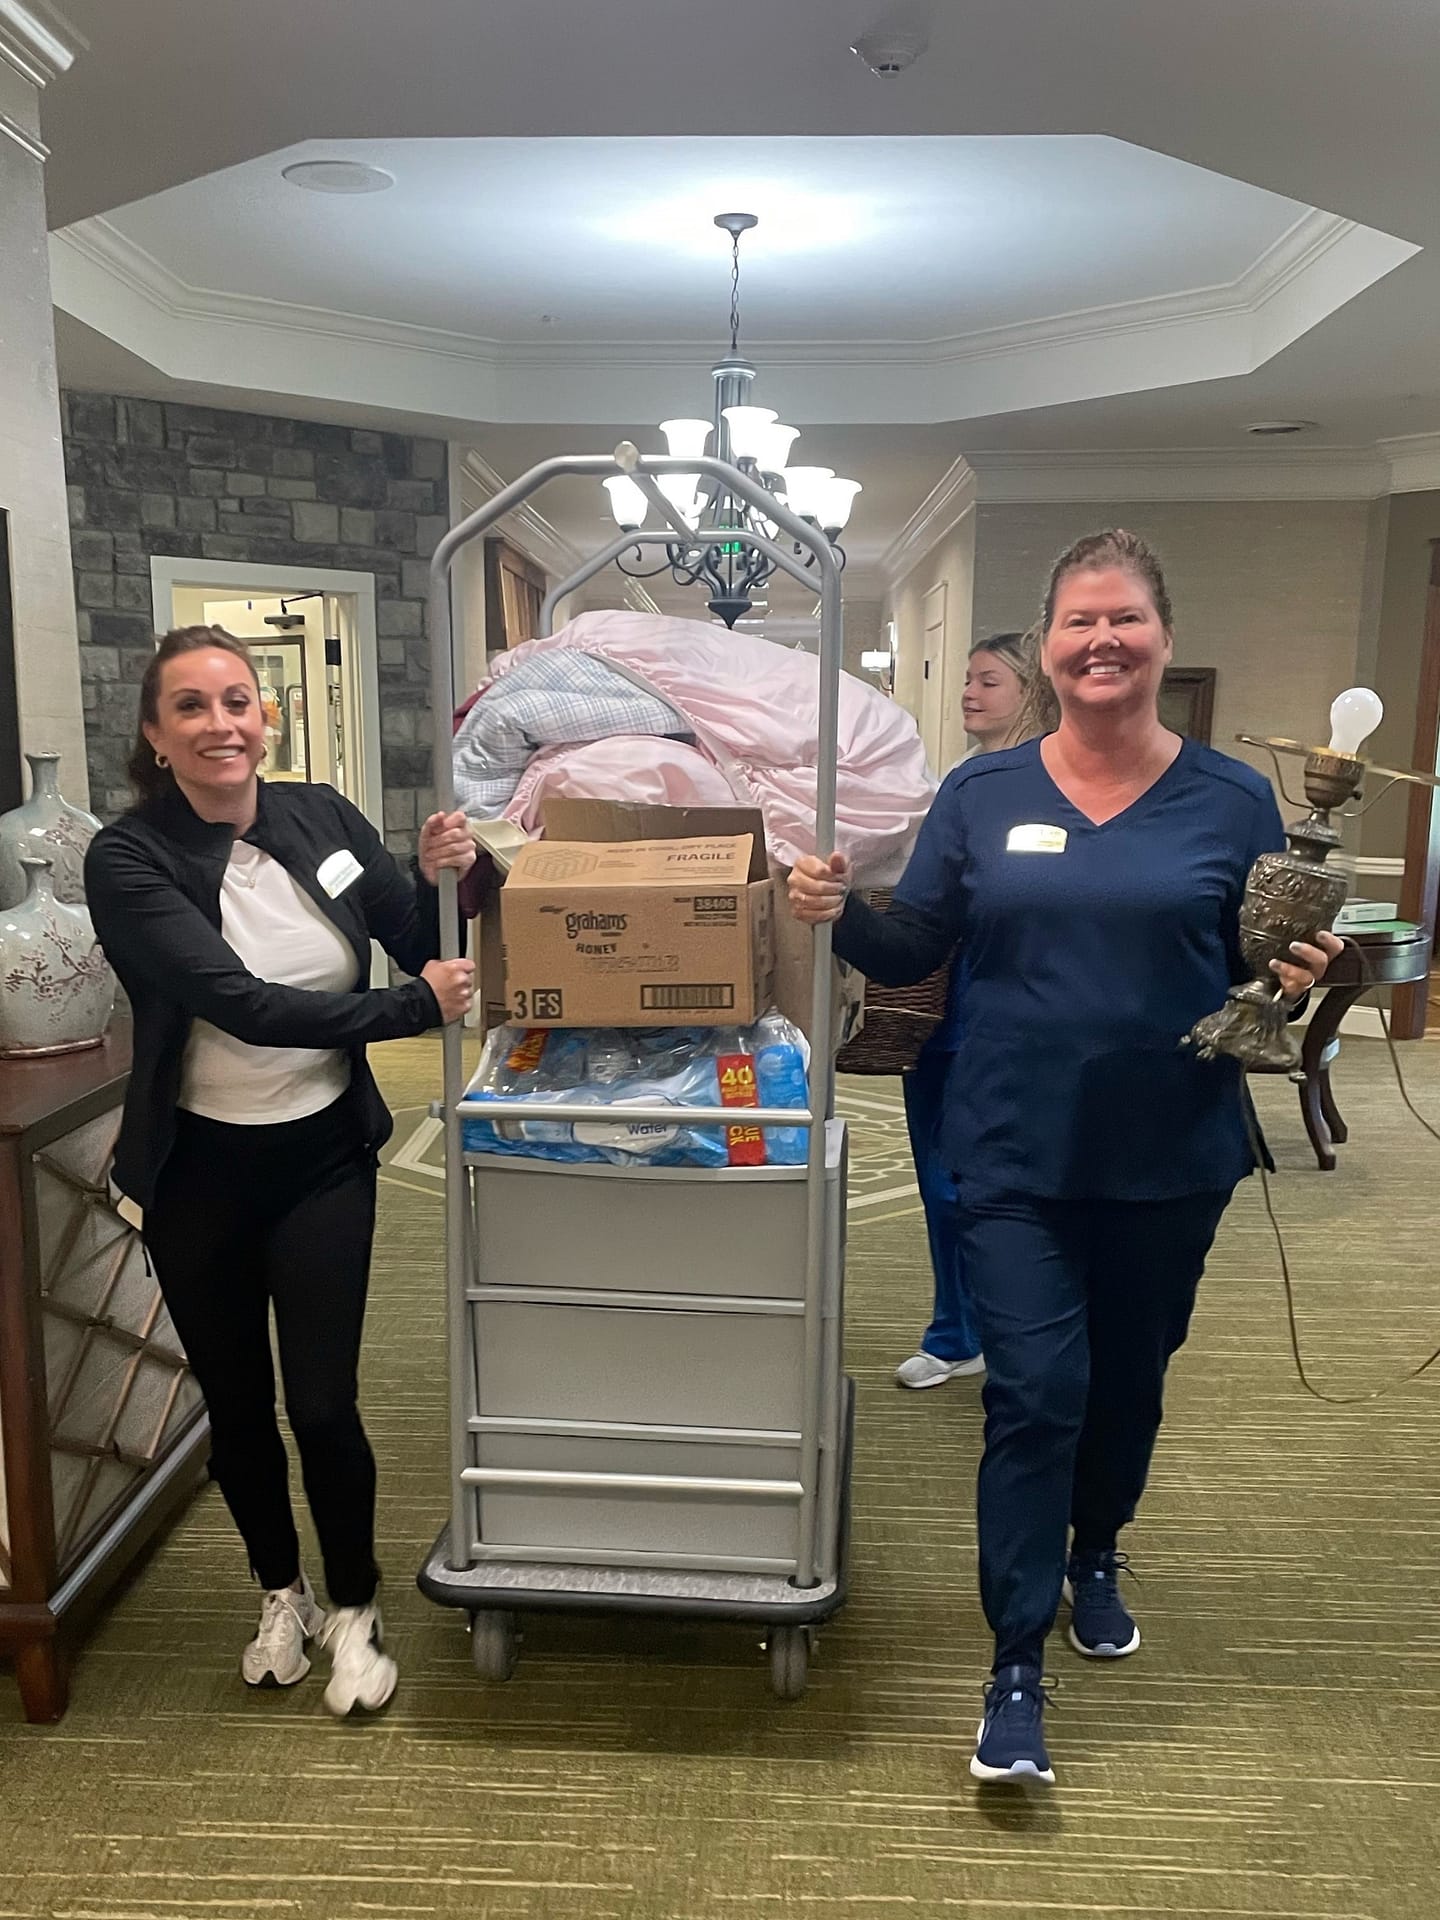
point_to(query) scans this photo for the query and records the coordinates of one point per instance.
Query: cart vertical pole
(442, 702)
(816, 1461)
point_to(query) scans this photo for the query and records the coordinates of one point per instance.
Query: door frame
(231, 576)
(1420, 887)
(932, 703)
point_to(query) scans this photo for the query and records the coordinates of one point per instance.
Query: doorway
(312, 636)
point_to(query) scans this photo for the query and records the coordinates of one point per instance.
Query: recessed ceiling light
(338, 176)
(1266, 429)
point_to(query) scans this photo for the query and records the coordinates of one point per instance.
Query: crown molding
(524, 525)
(1301, 248)
(36, 44)
(1198, 474)
(531, 531)
(938, 514)
(116, 286)
(1414, 461)
(38, 41)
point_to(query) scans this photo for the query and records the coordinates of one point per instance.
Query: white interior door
(932, 692)
(313, 635)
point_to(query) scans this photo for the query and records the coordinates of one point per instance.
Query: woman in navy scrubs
(1092, 880)
(999, 679)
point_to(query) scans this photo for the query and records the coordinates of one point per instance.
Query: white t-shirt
(282, 936)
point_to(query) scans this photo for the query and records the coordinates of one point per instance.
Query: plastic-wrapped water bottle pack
(729, 1068)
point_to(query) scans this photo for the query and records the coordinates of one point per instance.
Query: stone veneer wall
(150, 478)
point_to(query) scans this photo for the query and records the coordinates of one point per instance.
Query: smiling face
(994, 695)
(208, 722)
(1106, 648)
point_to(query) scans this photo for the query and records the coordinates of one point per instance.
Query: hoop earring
(161, 761)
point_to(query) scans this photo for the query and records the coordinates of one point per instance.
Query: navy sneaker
(1100, 1623)
(1010, 1744)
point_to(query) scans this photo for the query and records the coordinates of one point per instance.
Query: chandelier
(720, 553)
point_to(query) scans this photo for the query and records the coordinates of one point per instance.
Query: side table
(102, 1428)
(1395, 953)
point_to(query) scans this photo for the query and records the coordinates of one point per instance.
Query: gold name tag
(1036, 840)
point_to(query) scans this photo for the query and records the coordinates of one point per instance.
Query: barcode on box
(679, 999)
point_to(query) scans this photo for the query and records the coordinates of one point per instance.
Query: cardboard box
(586, 820)
(637, 928)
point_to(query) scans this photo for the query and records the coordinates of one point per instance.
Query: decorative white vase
(56, 991)
(47, 824)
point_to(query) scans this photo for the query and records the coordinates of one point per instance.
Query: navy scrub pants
(952, 1334)
(1080, 1306)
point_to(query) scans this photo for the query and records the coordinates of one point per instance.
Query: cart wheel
(494, 1644)
(789, 1661)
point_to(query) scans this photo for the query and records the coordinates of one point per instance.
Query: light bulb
(682, 490)
(772, 447)
(1354, 716)
(627, 502)
(747, 429)
(837, 497)
(802, 489)
(685, 438)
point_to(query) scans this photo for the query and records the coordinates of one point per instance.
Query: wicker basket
(898, 1020)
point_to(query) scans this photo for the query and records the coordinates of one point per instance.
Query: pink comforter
(753, 707)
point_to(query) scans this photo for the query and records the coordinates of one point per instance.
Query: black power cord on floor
(1258, 1151)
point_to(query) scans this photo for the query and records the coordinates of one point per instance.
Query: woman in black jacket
(239, 917)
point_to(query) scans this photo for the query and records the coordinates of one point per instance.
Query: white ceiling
(1301, 103)
(547, 241)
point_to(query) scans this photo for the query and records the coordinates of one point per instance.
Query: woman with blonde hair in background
(1001, 709)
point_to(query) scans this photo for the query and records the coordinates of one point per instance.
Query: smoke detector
(888, 51)
(1275, 429)
(337, 176)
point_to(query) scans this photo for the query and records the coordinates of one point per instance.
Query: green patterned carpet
(1274, 1751)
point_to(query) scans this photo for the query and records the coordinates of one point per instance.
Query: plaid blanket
(548, 700)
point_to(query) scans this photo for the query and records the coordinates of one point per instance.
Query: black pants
(1080, 1305)
(249, 1216)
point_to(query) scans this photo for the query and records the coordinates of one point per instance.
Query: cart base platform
(529, 1586)
(494, 1592)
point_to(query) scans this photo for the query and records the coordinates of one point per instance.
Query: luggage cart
(648, 1408)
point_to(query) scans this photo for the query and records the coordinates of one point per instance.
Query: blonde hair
(1021, 653)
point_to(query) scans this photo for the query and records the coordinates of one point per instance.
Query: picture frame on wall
(515, 589)
(1187, 702)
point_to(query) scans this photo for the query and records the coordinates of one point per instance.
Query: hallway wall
(1273, 594)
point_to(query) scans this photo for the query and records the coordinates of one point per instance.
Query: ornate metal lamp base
(1252, 1027)
(1289, 896)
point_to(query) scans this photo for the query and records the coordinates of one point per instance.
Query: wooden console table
(102, 1428)
(1396, 953)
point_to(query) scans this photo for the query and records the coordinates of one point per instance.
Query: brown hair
(1112, 548)
(147, 776)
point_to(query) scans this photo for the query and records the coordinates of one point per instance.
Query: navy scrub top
(1088, 952)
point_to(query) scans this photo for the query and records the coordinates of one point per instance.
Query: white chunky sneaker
(925, 1370)
(362, 1674)
(276, 1657)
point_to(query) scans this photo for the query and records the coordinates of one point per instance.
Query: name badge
(337, 871)
(1036, 840)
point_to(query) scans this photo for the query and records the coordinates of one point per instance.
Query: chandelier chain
(734, 292)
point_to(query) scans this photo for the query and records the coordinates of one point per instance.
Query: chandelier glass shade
(720, 553)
